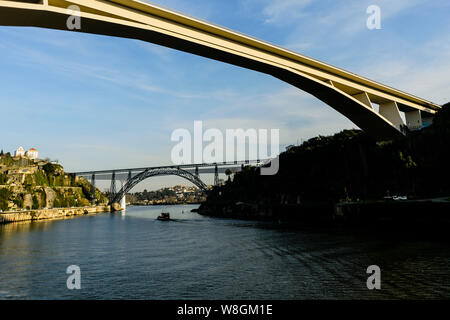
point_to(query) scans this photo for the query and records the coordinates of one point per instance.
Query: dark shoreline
(164, 204)
(423, 215)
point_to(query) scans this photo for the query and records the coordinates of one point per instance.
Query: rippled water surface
(134, 256)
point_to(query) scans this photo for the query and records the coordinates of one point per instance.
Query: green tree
(41, 178)
(19, 201)
(4, 197)
(35, 202)
(50, 169)
(3, 178)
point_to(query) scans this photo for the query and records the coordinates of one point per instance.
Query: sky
(95, 102)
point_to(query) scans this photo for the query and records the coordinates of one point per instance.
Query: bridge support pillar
(123, 203)
(390, 111)
(364, 98)
(112, 190)
(93, 196)
(414, 119)
(123, 200)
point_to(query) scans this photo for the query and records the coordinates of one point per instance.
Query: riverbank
(420, 212)
(55, 213)
(429, 213)
(179, 203)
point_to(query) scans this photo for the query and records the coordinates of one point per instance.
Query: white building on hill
(32, 154)
(20, 152)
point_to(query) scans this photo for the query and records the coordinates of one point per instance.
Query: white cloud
(336, 33)
(325, 24)
(37, 58)
(284, 11)
(424, 72)
(297, 114)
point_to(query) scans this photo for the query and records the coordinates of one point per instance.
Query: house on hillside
(20, 152)
(32, 154)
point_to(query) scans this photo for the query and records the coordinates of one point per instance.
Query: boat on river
(164, 216)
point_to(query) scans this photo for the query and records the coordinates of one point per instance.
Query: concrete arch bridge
(351, 95)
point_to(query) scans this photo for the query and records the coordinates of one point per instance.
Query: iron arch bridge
(130, 177)
(351, 95)
(153, 172)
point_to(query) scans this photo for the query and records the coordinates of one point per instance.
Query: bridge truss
(132, 176)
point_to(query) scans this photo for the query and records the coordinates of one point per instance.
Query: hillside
(36, 184)
(346, 167)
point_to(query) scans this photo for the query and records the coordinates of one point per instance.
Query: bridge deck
(202, 168)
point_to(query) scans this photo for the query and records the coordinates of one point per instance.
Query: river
(133, 256)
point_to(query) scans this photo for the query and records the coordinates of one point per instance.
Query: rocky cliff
(37, 184)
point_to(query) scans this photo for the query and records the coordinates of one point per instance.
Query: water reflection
(132, 255)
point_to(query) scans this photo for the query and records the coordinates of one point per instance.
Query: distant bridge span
(148, 173)
(350, 94)
(132, 176)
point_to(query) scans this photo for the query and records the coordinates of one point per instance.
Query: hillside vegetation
(348, 166)
(28, 184)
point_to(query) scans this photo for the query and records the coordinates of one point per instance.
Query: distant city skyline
(96, 102)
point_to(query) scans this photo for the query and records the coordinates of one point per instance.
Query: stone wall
(50, 213)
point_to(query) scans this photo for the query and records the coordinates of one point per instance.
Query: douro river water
(133, 256)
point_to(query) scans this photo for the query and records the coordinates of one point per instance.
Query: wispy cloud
(296, 114)
(285, 11)
(428, 79)
(31, 57)
(337, 34)
(321, 24)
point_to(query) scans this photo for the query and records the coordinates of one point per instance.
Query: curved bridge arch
(347, 93)
(131, 183)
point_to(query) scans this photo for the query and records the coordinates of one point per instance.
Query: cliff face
(38, 184)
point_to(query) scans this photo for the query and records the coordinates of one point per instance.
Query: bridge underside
(351, 95)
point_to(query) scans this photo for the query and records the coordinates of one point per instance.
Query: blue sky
(95, 102)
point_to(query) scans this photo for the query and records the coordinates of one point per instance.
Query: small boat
(164, 216)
